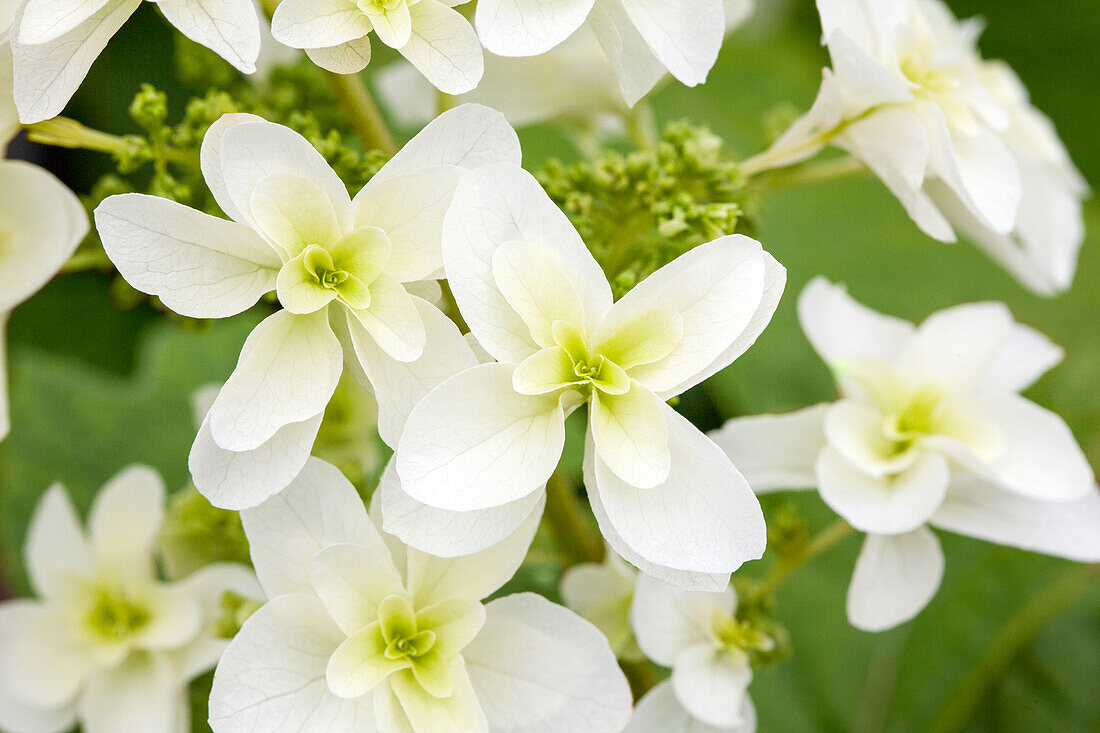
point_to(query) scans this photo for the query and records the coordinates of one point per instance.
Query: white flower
(573, 81)
(434, 37)
(9, 116)
(930, 429)
(41, 224)
(602, 593)
(107, 644)
(362, 633)
(339, 267)
(56, 41)
(667, 499)
(698, 636)
(1041, 252)
(660, 710)
(905, 97)
(642, 39)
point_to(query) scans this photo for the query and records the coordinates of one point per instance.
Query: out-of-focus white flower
(434, 37)
(660, 710)
(642, 39)
(339, 267)
(953, 138)
(698, 636)
(56, 41)
(667, 499)
(107, 644)
(363, 633)
(602, 593)
(1041, 252)
(930, 429)
(572, 82)
(41, 224)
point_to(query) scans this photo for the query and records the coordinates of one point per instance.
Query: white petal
(866, 82)
(229, 28)
(978, 508)
(399, 386)
(345, 58)
(47, 75)
(287, 530)
(41, 663)
(56, 547)
(210, 161)
(1024, 357)
(527, 27)
(667, 620)
(45, 20)
(318, 23)
(433, 579)
(631, 436)
(43, 224)
(660, 710)
(272, 676)
(142, 693)
(287, 372)
(352, 580)
(575, 684)
(956, 347)
(495, 205)
(474, 443)
(887, 505)
(716, 288)
(685, 35)
(392, 320)
(631, 58)
(416, 710)
(198, 265)
(703, 519)
(444, 48)
(125, 521)
(895, 578)
(15, 714)
(775, 451)
(239, 480)
(208, 586)
(468, 136)
(711, 684)
(445, 533)
(841, 329)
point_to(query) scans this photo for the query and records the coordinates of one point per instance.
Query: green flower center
(594, 370)
(114, 616)
(318, 262)
(739, 638)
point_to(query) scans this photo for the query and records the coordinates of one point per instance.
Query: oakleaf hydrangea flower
(602, 593)
(930, 429)
(642, 39)
(41, 224)
(107, 644)
(363, 633)
(667, 499)
(434, 37)
(661, 710)
(339, 266)
(55, 42)
(699, 637)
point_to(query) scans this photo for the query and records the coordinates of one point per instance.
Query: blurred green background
(94, 389)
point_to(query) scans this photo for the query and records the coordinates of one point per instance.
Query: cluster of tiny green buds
(235, 610)
(196, 534)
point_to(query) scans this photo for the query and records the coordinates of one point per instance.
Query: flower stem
(784, 566)
(807, 173)
(641, 127)
(362, 112)
(572, 528)
(960, 706)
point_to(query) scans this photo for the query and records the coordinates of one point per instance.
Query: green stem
(641, 127)
(812, 172)
(957, 711)
(362, 112)
(784, 566)
(565, 516)
(63, 132)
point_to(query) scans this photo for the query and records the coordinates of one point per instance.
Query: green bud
(196, 534)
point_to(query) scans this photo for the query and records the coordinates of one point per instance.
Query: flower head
(105, 630)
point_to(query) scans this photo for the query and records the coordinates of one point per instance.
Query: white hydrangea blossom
(930, 430)
(107, 644)
(430, 34)
(642, 39)
(363, 633)
(667, 499)
(342, 269)
(573, 82)
(699, 637)
(602, 593)
(55, 42)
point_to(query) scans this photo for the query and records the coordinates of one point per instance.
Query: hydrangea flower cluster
(459, 369)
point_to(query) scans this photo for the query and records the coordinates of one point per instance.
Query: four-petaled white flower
(666, 497)
(107, 644)
(434, 37)
(700, 638)
(643, 39)
(41, 224)
(339, 267)
(602, 593)
(55, 42)
(362, 633)
(930, 429)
